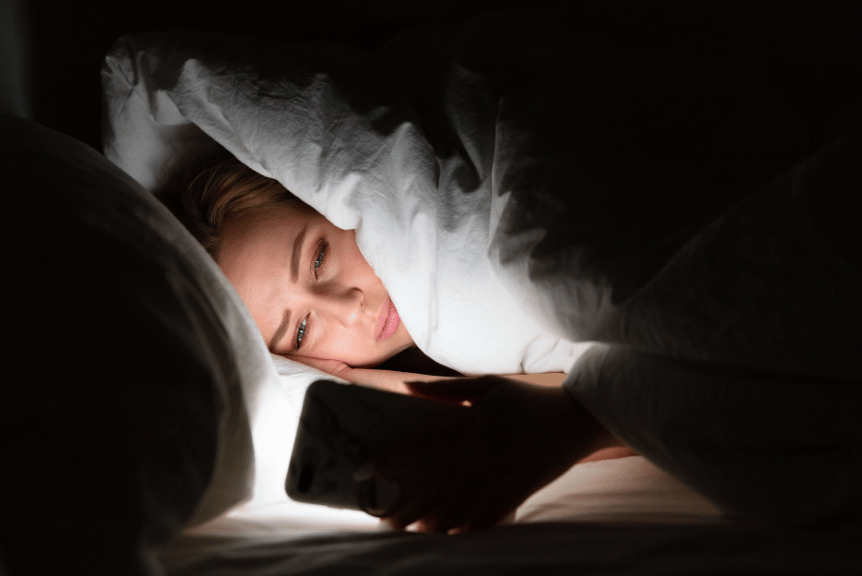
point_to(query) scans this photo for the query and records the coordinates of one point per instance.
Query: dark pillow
(117, 364)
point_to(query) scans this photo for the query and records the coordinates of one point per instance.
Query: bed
(410, 143)
(127, 431)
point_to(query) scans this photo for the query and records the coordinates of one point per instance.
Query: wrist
(587, 435)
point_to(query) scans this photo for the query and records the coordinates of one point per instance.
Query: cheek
(349, 347)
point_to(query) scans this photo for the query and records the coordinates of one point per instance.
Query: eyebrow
(295, 257)
(297, 253)
(279, 332)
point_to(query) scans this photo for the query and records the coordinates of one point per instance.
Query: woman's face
(309, 289)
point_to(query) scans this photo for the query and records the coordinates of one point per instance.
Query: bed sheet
(285, 538)
(536, 549)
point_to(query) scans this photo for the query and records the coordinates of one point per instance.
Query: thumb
(455, 390)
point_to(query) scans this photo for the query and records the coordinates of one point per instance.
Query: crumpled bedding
(519, 189)
(342, 130)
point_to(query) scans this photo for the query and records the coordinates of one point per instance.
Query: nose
(345, 306)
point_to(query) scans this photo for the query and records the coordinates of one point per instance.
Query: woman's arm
(391, 380)
(395, 380)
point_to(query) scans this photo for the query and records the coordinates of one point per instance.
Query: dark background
(67, 38)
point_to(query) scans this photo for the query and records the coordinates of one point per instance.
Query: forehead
(265, 233)
(256, 253)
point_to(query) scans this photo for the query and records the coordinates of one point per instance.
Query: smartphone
(341, 426)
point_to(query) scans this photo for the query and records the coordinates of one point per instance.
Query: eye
(321, 257)
(300, 332)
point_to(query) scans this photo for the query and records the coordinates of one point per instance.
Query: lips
(388, 322)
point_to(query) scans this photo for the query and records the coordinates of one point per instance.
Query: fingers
(442, 521)
(378, 496)
(453, 515)
(443, 507)
(421, 494)
(413, 509)
(457, 474)
(455, 390)
(460, 514)
(431, 515)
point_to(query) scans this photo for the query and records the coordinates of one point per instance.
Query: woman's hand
(397, 381)
(514, 439)
(331, 367)
(371, 377)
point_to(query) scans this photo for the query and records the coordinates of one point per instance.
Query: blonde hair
(204, 196)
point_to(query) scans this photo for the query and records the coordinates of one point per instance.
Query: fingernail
(385, 525)
(364, 472)
(379, 496)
